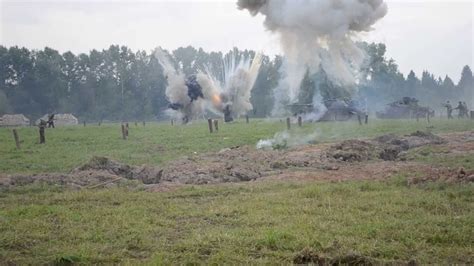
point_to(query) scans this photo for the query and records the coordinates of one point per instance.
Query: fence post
(288, 123)
(209, 122)
(124, 134)
(17, 139)
(41, 133)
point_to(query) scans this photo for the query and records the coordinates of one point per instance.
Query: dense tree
(120, 84)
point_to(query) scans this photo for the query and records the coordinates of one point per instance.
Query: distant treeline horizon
(120, 84)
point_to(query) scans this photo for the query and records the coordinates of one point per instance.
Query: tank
(407, 107)
(333, 110)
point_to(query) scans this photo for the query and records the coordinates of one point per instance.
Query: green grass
(155, 144)
(269, 222)
(258, 222)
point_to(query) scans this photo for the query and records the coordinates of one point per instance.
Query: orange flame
(216, 99)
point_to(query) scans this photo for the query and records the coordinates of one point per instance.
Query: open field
(415, 210)
(69, 147)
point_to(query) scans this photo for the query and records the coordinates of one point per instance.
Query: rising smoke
(190, 97)
(317, 34)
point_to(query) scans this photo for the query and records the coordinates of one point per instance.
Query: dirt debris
(351, 159)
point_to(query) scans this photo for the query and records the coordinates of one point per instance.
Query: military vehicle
(407, 107)
(333, 110)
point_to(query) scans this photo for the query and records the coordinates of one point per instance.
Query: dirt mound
(242, 164)
(307, 256)
(387, 147)
(353, 151)
(443, 174)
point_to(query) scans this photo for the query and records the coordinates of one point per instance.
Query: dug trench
(377, 158)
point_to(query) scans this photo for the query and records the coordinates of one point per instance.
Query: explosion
(191, 96)
(317, 34)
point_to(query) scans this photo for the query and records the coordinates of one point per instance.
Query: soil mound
(243, 164)
(387, 147)
(353, 151)
(444, 174)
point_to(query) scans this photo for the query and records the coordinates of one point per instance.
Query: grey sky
(433, 35)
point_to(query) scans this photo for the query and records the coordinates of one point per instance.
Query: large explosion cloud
(317, 33)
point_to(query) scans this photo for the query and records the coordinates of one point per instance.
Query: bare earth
(373, 159)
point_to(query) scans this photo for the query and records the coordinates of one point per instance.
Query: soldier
(51, 121)
(449, 109)
(460, 109)
(466, 109)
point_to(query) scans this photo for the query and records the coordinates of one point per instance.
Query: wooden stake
(17, 139)
(124, 134)
(216, 125)
(209, 122)
(288, 123)
(41, 133)
(300, 121)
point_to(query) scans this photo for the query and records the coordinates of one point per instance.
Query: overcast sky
(433, 35)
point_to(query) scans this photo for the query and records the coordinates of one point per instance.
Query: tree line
(120, 84)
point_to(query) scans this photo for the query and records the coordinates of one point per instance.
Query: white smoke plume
(230, 98)
(177, 91)
(239, 79)
(317, 33)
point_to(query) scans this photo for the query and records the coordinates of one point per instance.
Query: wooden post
(209, 122)
(247, 119)
(288, 123)
(366, 119)
(124, 134)
(216, 125)
(17, 139)
(41, 133)
(359, 119)
(300, 121)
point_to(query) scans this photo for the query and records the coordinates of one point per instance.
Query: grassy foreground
(258, 222)
(262, 222)
(154, 144)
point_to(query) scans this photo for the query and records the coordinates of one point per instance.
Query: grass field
(68, 147)
(258, 222)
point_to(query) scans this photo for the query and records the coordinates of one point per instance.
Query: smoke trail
(317, 33)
